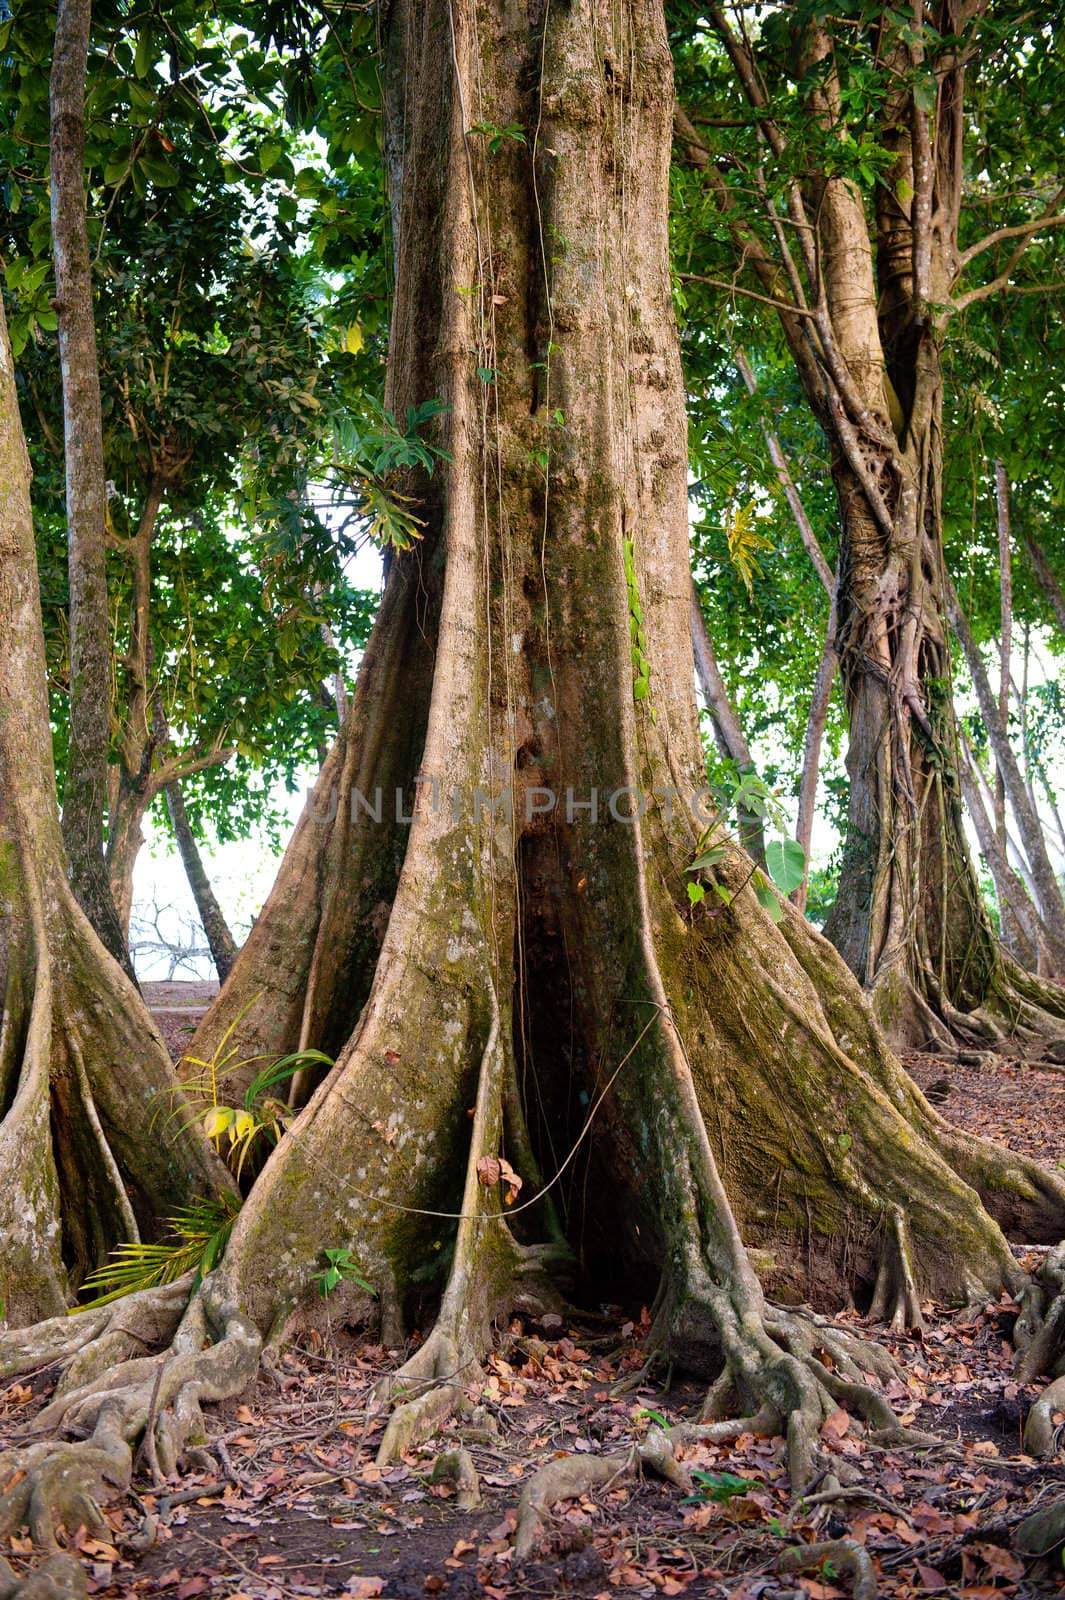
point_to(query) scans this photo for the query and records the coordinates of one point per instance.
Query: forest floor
(290, 1502)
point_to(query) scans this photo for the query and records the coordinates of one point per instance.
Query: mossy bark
(538, 308)
(527, 981)
(756, 1097)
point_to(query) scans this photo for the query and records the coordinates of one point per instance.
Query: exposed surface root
(571, 1476)
(1042, 1532)
(56, 1485)
(61, 1577)
(1040, 1336)
(456, 1466)
(788, 1371)
(846, 1556)
(99, 1336)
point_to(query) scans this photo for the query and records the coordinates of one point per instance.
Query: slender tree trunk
(730, 736)
(821, 695)
(536, 952)
(1047, 581)
(811, 543)
(85, 790)
(1047, 888)
(817, 716)
(222, 944)
(1026, 934)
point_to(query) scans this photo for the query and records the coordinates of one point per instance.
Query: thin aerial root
(847, 1556)
(571, 1476)
(895, 1297)
(456, 1466)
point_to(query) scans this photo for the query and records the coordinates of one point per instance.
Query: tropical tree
(516, 962)
(95, 1150)
(871, 186)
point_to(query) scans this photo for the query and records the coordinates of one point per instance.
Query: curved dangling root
(571, 1476)
(1040, 1336)
(57, 1485)
(895, 1297)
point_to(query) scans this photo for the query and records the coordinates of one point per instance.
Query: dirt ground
(288, 1501)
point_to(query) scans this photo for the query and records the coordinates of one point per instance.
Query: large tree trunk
(85, 789)
(488, 970)
(94, 1147)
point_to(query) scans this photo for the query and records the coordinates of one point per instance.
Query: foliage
(719, 1487)
(785, 857)
(340, 1267)
(198, 1235)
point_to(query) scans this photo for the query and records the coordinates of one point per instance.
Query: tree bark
(85, 790)
(530, 960)
(221, 941)
(92, 1149)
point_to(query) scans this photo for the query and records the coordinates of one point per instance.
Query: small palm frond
(199, 1234)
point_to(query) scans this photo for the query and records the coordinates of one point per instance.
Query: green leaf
(142, 61)
(640, 689)
(696, 892)
(786, 861)
(720, 1486)
(768, 901)
(158, 170)
(925, 94)
(709, 858)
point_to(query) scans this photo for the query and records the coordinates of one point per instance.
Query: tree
(841, 201)
(211, 349)
(94, 1150)
(85, 790)
(489, 971)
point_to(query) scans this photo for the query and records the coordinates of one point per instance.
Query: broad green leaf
(786, 862)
